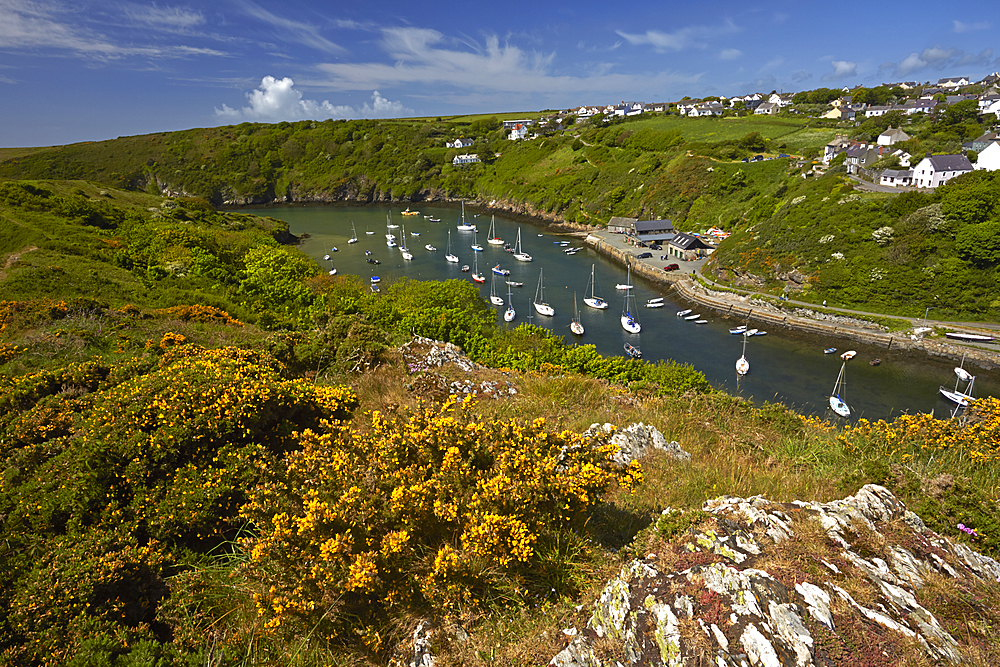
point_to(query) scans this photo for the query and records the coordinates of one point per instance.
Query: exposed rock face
(423, 353)
(636, 441)
(782, 585)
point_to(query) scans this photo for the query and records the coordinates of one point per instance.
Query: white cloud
(169, 18)
(730, 54)
(841, 69)
(296, 31)
(689, 37)
(937, 58)
(277, 99)
(502, 74)
(969, 27)
(771, 64)
(801, 75)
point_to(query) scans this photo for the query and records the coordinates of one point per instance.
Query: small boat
(682, 313)
(540, 306)
(391, 244)
(742, 365)
(374, 288)
(972, 338)
(475, 243)
(368, 252)
(514, 283)
(875, 362)
(390, 237)
(623, 286)
(508, 315)
(692, 317)
(376, 279)
(450, 257)
(575, 326)
(435, 219)
(962, 397)
(409, 212)
(372, 260)
(701, 321)
(519, 254)
(326, 257)
(332, 272)
(493, 238)
(738, 330)
(369, 232)
(759, 333)
(430, 247)
(750, 332)
(403, 250)
(632, 351)
(465, 268)
(476, 275)
(629, 322)
(354, 234)
(658, 299)
(463, 226)
(414, 233)
(494, 299)
(593, 300)
(829, 350)
(837, 403)
(333, 249)
(650, 304)
(500, 272)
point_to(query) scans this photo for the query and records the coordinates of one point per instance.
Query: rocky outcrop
(747, 582)
(636, 441)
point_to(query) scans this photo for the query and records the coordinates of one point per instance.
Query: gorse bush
(430, 510)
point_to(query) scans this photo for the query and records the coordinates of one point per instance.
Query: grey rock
(636, 441)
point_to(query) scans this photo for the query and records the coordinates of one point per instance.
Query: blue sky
(85, 70)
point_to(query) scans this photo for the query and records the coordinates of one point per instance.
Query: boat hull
(630, 325)
(594, 302)
(839, 406)
(544, 309)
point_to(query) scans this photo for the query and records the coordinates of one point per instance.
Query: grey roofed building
(980, 143)
(654, 230)
(687, 246)
(620, 225)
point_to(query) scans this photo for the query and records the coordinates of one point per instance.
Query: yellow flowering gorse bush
(431, 508)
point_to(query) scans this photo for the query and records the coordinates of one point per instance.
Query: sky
(88, 71)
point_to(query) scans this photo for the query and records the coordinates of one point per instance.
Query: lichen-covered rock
(636, 441)
(757, 583)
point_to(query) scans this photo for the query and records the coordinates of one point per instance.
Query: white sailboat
(963, 397)
(508, 315)
(539, 302)
(493, 238)
(519, 254)
(629, 323)
(354, 234)
(593, 300)
(476, 275)
(448, 256)
(575, 325)
(494, 299)
(837, 403)
(475, 242)
(742, 365)
(403, 250)
(463, 226)
(388, 221)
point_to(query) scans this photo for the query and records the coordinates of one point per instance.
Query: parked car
(655, 246)
(671, 267)
(644, 255)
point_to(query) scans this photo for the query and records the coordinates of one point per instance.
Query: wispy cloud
(164, 18)
(937, 58)
(730, 54)
(297, 31)
(970, 27)
(801, 75)
(35, 26)
(277, 99)
(683, 38)
(500, 72)
(842, 69)
(772, 64)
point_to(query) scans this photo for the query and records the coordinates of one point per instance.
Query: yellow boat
(409, 212)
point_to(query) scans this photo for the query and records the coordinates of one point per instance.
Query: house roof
(642, 226)
(618, 221)
(897, 173)
(950, 163)
(688, 242)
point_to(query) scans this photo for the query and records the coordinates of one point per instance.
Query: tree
(960, 112)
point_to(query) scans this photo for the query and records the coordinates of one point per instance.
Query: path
(13, 258)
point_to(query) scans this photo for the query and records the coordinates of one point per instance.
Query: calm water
(785, 366)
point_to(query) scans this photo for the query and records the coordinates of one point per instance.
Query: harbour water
(785, 366)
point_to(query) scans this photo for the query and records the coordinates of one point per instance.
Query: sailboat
(508, 315)
(388, 221)
(629, 323)
(593, 300)
(575, 325)
(742, 365)
(539, 302)
(964, 397)
(354, 234)
(476, 275)
(403, 250)
(519, 254)
(448, 256)
(494, 299)
(493, 238)
(837, 403)
(475, 242)
(464, 226)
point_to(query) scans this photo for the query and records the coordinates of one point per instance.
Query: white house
(953, 82)
(990, 104)
(935, 170)
(766, 109)
(989, 158)
(710, 109)
(896, 178)
(519, 132)
(892, 136)
(465, 159)
(781, 99)
(461, 142)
